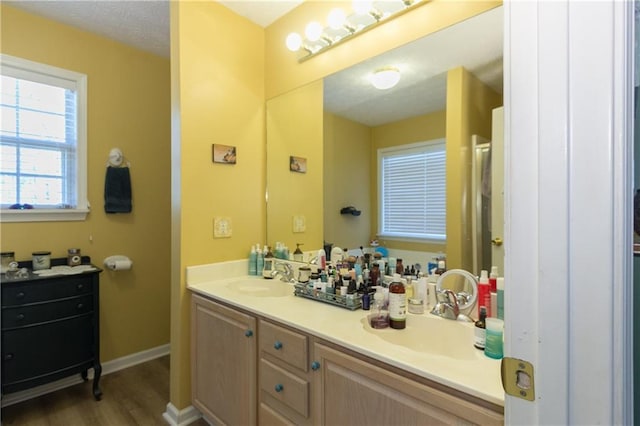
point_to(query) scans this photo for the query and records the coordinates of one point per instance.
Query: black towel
(117, 190)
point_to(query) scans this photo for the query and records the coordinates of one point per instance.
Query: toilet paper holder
(118, 263)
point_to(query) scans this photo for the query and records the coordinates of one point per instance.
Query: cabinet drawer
(37, 351)
(285, 387)
(269, 417)
(43, 312)
(284, 344)
(46, 289)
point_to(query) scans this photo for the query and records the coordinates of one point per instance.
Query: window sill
(43, 215)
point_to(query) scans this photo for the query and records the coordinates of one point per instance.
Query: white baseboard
(108, 367)
(183, 417)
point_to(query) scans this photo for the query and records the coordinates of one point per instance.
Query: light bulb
(385, 78)
(313, 31)
(294, 42)
(362, 7)
(336, 18)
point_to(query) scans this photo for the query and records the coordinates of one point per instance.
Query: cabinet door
(223, 351)
(348, 390)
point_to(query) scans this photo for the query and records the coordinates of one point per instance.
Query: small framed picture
(225, 154)
(298, 164)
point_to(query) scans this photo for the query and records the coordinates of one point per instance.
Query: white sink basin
(259, 287)
(430, 334)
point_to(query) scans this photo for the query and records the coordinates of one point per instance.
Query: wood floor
(134, 396)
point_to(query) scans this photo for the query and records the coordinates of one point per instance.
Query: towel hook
(116, 158)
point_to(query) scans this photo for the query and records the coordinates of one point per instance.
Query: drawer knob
(248, 333)
(20, 295)
(279, 388)
(80, 286)
(20, 317)
(8, 357)
(277, 345)
(315, 365)
(80, 306)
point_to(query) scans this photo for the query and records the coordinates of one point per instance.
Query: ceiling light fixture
(385, 78)
(366, 15)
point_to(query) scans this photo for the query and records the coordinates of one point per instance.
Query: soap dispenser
(298, 256)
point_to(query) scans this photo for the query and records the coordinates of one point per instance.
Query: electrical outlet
(221, 227)
(299, 223)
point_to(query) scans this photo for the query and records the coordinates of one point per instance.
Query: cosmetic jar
(41, 260)
(416, 306)
(6, 258)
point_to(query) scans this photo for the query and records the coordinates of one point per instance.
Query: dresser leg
(97, 371)
(84, 375)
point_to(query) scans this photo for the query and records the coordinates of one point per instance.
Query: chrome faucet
(447, 305)
(284, 271)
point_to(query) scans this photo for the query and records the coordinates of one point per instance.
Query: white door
(568, 191)
(497, 189)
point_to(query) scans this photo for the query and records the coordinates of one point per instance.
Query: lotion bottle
(500, 286)
(253, 261)
(484, 293)
(259, 260)
(322, 259)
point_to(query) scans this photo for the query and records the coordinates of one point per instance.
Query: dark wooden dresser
(50, 328)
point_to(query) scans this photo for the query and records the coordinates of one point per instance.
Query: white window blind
(42, 141)
(412, 191)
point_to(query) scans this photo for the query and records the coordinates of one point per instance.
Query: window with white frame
(412, 191)
(42, 142)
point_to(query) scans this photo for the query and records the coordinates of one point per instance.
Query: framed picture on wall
(225, 154)
(298, 164)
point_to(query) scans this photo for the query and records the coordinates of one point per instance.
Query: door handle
(497, 241)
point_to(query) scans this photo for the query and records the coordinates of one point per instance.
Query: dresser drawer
(34, 352)
(24, 315)
(43, 290)
(284, 344)
(285, 387)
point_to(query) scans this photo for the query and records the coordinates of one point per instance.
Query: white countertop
(470, 371)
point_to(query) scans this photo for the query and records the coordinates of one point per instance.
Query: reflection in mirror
(464, 285)
(450, 81)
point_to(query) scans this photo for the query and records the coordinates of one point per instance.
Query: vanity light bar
(340, 28)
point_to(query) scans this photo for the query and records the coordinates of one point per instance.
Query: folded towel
(117, 190)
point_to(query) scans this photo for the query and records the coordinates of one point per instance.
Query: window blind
(413, 191)
(38, 138)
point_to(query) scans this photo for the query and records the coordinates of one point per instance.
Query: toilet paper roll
(119, 265)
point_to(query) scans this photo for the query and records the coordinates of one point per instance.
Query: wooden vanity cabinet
(223, 363)
(276, 375)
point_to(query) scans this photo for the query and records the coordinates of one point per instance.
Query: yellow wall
(128, 107)
(294, 127)
(217, 84)
(347, 171)
(416, 129)
(469, 106)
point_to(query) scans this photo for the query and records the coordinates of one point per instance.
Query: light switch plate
(221, 227)
(299, 223)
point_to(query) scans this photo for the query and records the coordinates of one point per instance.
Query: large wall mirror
(450, 83)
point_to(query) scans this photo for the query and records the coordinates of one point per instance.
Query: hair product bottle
(397, 304)
(480, 330)
(484, 293)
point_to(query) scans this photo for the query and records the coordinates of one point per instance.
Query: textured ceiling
(141, 23)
